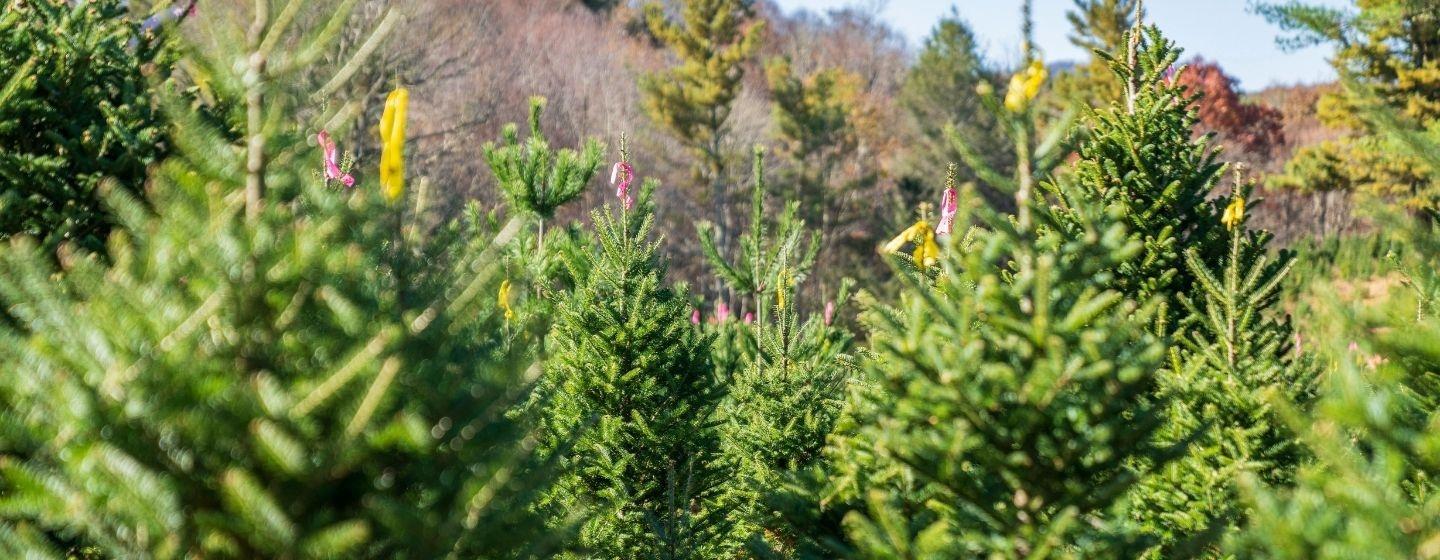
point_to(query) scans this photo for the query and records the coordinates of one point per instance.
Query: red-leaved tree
(1250, 127)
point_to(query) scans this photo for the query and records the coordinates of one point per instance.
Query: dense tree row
(1081, 352)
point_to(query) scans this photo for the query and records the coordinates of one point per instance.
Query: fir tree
(1214, 276)
(75, 111)
(534, 178)
(1233, 355)
(1140, 156)
(261, 373)
(693, 100)
(782, 407)
(1371, 491)
(939, 92)
(634, 380)
(761, 258)
(1013, 394)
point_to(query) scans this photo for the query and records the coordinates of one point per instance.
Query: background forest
(706, 279)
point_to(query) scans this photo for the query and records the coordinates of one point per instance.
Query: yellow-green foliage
(1389, 50)
(692, 100)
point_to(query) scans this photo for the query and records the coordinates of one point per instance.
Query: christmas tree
(1039, 141)
(265, 370)
(534, 178)
(1217, 286)
(628, 406)
(938, 93)
(76, 111)
(1017, 392)
(1370, 491)
(782, 406)
(1233, 355)
(1141, 157)
(762, 258)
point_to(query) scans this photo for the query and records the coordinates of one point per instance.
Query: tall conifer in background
(1392, 49)
(629, 405)
(692, 101)
(813, 117)
(1096, 26)
(939, 93)
(265, 370)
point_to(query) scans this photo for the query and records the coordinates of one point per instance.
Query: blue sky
(1221, 30)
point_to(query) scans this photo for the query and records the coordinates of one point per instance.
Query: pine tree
(634, 380)
(939, 92)
(1391, 48)
(534, 178)
(1101, 25)
(1097, 26)
(816, 119)
(264, 371)
(1013, 396)
(693, 100)
(75, 112)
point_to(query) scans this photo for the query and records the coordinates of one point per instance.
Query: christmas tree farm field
(242, 316)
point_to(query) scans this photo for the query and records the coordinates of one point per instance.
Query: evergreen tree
(1141, 157)
(634, 380)
(1391, 48)
(761, 258)
(1039, 141)
(1101, 25)
(693, 100)
(1371, 491)
(534, 178)
(75, 111)
(1097, 26)
(815, 117)
(264, 371)
(1233, 355)
(782, 407)
(1215, 276)
(939, 92)
(1013, 394)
